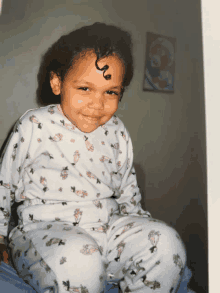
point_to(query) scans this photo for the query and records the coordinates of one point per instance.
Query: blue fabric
(185, 280)
(10, 282)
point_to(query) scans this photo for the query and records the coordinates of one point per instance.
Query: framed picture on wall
(160, 63)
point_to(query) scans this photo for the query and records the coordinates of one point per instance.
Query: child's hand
(3, 253)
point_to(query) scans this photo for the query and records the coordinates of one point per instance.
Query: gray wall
(168, 130)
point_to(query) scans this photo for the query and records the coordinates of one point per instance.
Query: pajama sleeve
(11, 170)
(130, 196)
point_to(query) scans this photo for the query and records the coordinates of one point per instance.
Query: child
(71, 163)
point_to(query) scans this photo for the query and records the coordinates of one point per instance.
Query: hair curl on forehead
(104, 40)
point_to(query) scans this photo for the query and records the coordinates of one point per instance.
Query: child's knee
(165, 240)
(171, 245)
(79, 262)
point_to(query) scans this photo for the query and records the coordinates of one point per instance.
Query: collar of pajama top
(64, 163)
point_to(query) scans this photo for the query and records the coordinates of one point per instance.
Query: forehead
(84, 68)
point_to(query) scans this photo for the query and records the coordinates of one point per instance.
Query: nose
(97, 102)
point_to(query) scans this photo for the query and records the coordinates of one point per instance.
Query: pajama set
(81, 221)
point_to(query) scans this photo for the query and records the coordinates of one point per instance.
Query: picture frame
(159, 67)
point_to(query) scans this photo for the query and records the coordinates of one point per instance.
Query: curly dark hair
(103, 39)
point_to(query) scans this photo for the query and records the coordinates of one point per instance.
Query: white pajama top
(63, 174)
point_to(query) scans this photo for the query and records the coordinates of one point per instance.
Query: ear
(55, 83)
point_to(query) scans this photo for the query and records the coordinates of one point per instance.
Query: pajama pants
(144, 254)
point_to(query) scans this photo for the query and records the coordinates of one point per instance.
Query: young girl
(71, 164)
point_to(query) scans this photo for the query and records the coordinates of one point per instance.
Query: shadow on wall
(190, 223)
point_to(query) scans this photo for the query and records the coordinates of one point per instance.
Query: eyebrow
(91, 84)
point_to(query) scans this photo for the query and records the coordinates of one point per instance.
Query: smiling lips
(91, 119)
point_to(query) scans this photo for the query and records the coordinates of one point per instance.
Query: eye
(85, 89)
(112, 93)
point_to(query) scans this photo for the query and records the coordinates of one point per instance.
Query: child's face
(88, 100)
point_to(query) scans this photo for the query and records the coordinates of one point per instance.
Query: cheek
(72, 99)
(111, 107)
(77, 101)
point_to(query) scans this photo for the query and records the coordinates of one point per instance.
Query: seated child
(71, 164)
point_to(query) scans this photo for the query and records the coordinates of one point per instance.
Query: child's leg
(146, 254)
(58, 256)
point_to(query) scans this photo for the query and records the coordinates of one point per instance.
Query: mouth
(91, 119)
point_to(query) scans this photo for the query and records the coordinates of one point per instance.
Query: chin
(89, 129)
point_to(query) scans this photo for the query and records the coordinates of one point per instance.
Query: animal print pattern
(70, 183)
(130, 249)
(50, 158)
